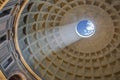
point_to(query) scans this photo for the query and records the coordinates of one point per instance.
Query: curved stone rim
(17, 43)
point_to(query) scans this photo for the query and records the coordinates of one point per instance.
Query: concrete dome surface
(91, 58)
(69, 39)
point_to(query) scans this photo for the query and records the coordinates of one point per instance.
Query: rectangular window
(7, 63)
(4, 13)
(2, 39)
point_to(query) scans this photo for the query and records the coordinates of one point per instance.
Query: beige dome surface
(101, 37)
(94, 58)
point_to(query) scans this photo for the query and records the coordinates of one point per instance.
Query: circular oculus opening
(85, 28)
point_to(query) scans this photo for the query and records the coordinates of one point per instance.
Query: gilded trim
(2, 77)
(3, 3)
(17, 43)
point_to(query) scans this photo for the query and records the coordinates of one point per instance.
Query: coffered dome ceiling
(93, 58)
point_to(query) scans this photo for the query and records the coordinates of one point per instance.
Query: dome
(45, 54)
